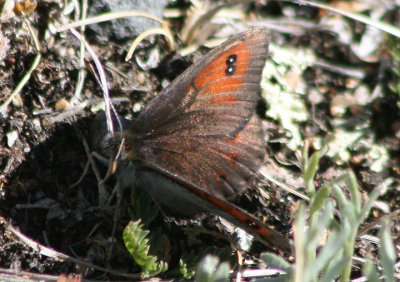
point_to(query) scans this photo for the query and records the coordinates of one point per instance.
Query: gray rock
(125, 28)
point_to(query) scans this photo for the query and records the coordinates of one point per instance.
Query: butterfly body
(168, 194)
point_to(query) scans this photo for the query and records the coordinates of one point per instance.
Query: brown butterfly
(196, 145)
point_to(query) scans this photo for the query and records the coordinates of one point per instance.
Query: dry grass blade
(357, 17)
(28, 74)
(162, 31)
(108, 17)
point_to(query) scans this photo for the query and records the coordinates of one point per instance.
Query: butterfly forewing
(215, 96)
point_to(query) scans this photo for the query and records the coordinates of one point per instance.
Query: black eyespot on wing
(231, 65)
(231, 60)
(234, 159)
(222, 177)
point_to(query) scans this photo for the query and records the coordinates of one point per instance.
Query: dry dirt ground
(44, 128)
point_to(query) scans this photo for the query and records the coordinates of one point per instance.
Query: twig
(284, 186)
(49, 252)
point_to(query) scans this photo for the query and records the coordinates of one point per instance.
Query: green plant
(316, 260)
(211, 270)
(137, 243)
